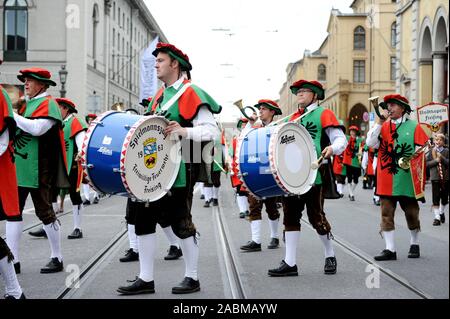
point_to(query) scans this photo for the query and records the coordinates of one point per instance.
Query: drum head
(292, 152)
(150, 161)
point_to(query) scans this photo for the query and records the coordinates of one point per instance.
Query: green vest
(72, 126)
(313, 124)
(27, 146)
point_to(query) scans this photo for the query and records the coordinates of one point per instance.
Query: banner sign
(434, 115)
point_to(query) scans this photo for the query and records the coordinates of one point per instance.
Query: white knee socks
(292, 238)
(8, 273)
(147, 248)
(76, 211)
(190, 255)
(171, 237)
(54, 238)
(255, 226)
(132, 238)
(13, 234)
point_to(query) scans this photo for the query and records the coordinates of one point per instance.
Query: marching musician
(352, 161)
(9, 199)
(211, 190)
(85, 184)
(369, 165)
(329, 140)
(437, 161)
(396, 136)
(40, 161)
(339, 169)
(267, 110)
(241, 192)
(190, 111)
(74, 130)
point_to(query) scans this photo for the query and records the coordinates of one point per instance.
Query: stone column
(439, 60)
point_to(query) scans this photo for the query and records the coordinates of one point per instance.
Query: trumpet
(405, 161)
(242, 109)
(376, 106)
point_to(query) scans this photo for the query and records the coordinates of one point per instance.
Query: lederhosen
(51, 160)
(315, 122)
(394, 184)
(72, 126)
(174, 208)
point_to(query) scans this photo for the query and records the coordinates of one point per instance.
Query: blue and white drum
(276, 160)
(129, 155)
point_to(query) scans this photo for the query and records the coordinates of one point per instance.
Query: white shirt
(35, 127)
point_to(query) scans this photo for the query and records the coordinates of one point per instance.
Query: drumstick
(316, 164)
(220, 166)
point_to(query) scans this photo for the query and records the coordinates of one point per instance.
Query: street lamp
(63, 79)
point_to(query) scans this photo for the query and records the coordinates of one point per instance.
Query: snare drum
(276, 160)
(129, 155)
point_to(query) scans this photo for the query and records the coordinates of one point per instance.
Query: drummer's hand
(327, 152)
(78, 157)
(175, 128)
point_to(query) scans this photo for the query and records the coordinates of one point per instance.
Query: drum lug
(243, 175)
(118, 170)
(127, 127)
(89, 166)
(267, 171)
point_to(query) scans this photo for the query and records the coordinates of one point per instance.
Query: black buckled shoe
(96, 200)
(283, 270)
(274, 243)
(138, 287)
(352, 198)
(174, 253)
(386, 255)
(251, 246)
(215, 202)
(414, 251)
(9, 297)
(76, 234)
(330, 267)
(242, 215)
(442, 216)
(436, 222)
(202, 197)
(187, 286)
(38, 233)
(130, 255)
(53, 266)
(17, 267)
(86, 203)
(207, 204)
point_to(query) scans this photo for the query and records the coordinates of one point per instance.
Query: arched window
(322, 72)
(393, 34)
(359, 38)
(15, 30)
(95, 21)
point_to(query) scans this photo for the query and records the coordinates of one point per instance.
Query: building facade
(99, 43)
(356, 61)
(422, 50)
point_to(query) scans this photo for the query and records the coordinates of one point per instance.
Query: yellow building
(422, 51)
(356, 60)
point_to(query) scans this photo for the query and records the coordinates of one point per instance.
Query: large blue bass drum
(276, 160)
(129, 155)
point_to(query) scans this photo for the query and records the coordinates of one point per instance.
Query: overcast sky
(248, 59)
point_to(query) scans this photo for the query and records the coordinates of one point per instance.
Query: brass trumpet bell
(404, 162)
(242, 109)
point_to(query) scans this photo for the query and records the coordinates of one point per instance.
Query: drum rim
(273, 149)
(84, 148)
(238, 161)
(124, 153)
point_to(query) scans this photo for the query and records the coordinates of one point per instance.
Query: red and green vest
(370, 158)
(338, 165)
(72, 126)
(27, 146)
(352, 150)
(235, 181)
(397, 141)
(185, 109)
(315, 123)
(9, 196)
